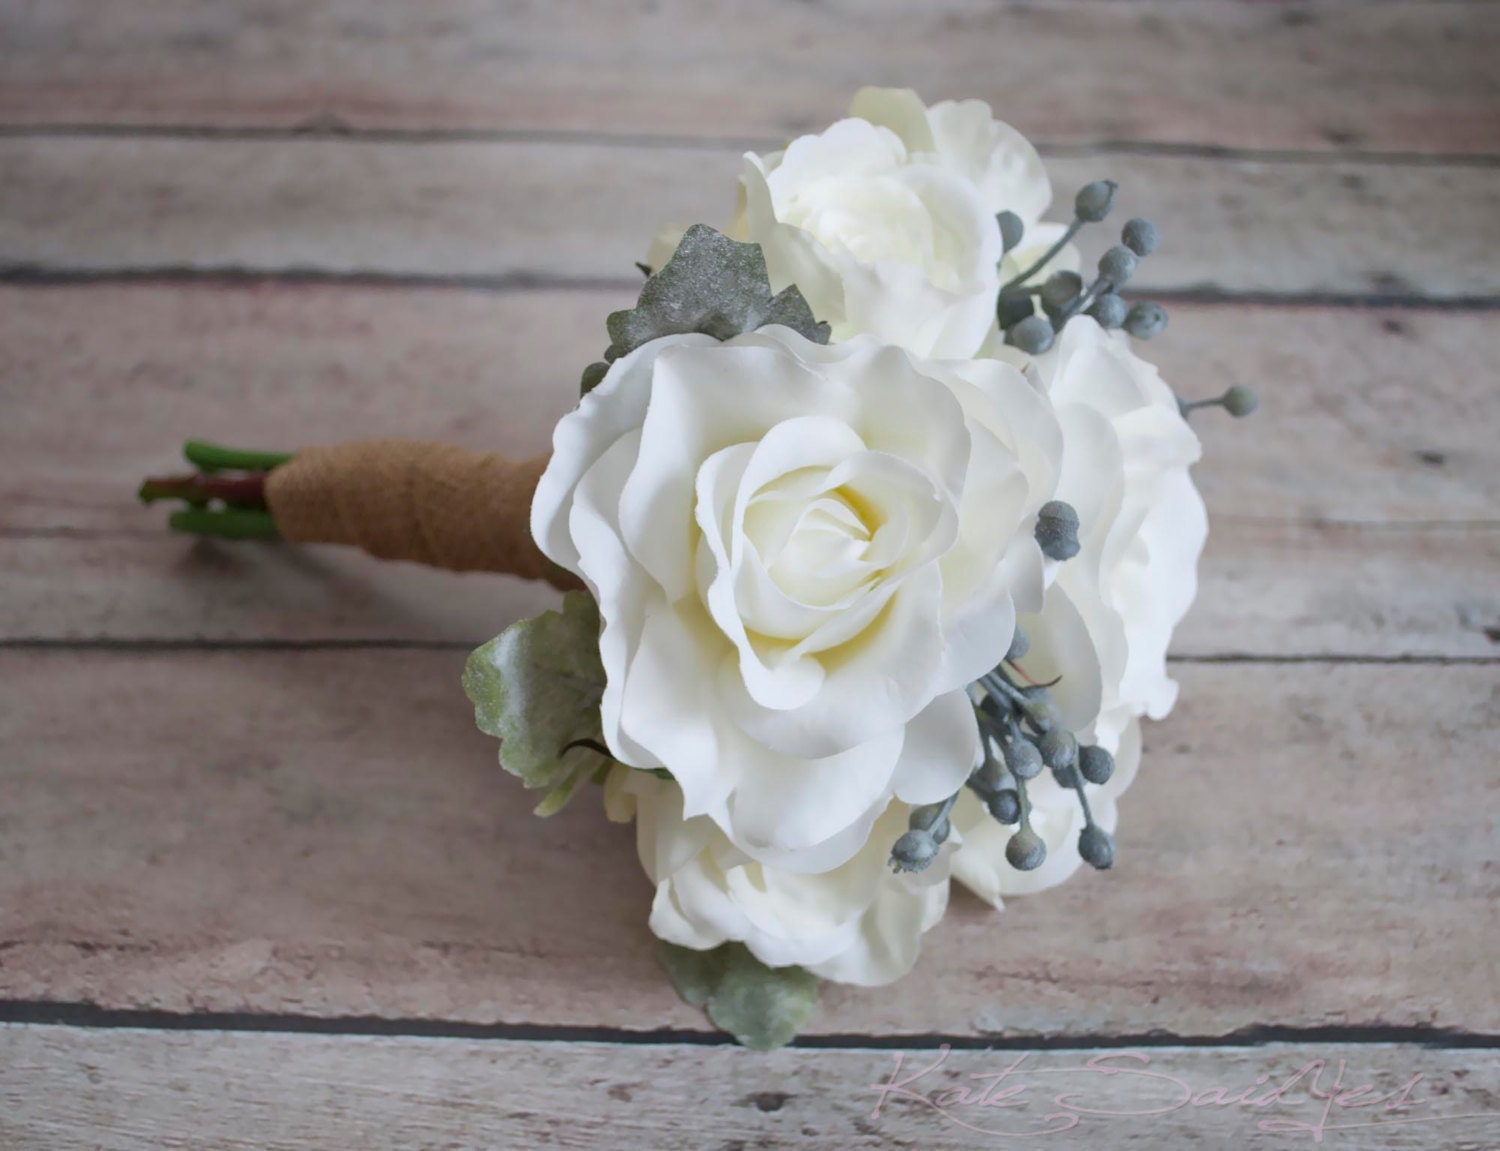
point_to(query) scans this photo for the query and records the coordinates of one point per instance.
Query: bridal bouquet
(874, 528)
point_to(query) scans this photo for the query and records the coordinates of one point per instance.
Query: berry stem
(1045, 259)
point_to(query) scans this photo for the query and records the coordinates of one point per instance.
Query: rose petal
(616, 406)
(999, 160)
(942, 745)
(899, 109)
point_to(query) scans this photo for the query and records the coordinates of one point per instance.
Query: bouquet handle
(428, 503)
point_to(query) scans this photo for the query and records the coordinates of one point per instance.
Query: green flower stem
(1046, 258)
(199, 490)
(232, 524)
(214, 458)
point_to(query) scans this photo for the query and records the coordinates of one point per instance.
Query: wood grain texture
(67, 1089)
(529, 209)
(1398, 76)
(108, 379)
(244, 780)
(1267, 588)
(1370, 415)
(325, 833)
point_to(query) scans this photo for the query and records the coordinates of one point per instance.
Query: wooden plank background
(240, 796)
(1405, 76)
(285, 1092)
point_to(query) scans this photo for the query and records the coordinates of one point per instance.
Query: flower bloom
(964, 137)
(1110, 611)
(802, 555)
(858, 923)
(886, 220)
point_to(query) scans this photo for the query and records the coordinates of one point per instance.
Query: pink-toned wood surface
(239, 787)
(298, 1091)
(1405, 76)
(325, 833)
(1269, 588)
(1371, 415)
(1339, 528)
(569, 210)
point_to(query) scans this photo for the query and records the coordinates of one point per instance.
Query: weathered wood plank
(563, 210)
(325, 833)
(1370, 415)
(1406, 76)
(1282, 589)
(1268, 588)
(66, 1089)
(152, 586)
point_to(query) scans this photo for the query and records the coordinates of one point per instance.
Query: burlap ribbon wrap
(430, 503)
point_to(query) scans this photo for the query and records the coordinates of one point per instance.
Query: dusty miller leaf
(537, 687)
(762, 1007)
(592, 375)
(695, 974)
(713, 285)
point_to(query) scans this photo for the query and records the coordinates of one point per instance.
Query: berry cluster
(1022, 735)
(1064, 295)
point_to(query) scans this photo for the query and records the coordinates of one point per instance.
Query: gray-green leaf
(762, 1007)
(593, 375)
(537, 687)
(713, 285)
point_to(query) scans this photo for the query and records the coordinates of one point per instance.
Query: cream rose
(802, 555)
(886, 221)
(1126, 458)
(964, 137)
(859, 923)
(1109, 611)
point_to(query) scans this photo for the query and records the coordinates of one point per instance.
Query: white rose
(1126, 455)
(859, 923)
(964, 137)
(802, 555)
(879, 240)
(1110, 611)
(886, 221)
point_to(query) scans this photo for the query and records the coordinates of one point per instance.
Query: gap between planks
(25, 643)
(23, 274)
(87, 1015)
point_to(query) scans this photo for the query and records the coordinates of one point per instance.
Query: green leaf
(762, 1007)
(592, 375)
(537, 687)
(695, 974)
(713, 285)
(557, 799)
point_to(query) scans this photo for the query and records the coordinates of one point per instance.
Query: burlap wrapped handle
(429, 503)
